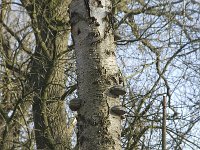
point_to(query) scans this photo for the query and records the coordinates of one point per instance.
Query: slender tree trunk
(51, 28)
(99, 125)
(164, 124)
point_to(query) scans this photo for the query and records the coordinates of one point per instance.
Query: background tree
(51, 29)
(10, 92)
(44, 66)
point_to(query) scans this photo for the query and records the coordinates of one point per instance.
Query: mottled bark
(51, 28)
(97, 72)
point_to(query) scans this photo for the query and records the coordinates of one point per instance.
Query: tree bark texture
(50, 24)
(97, 71)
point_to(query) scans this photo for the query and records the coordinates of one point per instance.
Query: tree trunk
(51, 28)
(98, 126)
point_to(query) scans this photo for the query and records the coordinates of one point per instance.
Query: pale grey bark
(97, 71)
